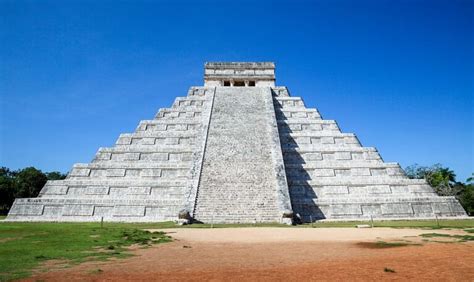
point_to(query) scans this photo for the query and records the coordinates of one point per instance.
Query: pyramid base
(378, 208)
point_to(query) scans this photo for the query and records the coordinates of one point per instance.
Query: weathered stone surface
(236, 154)
(243, 172)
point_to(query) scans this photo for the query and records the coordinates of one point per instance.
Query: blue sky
(74, 75)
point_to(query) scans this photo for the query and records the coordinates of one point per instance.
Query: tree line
(443, 180)
(22, 183)
(27, 183)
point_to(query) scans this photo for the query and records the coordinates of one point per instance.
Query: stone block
(346, 209)
(339, 141)
(378, 171)
(328, 156)
(55, 189)
(371, 210)
(379, 189)
(97, 190)
(78, 210)
(327, 140)
(177, 127)
(171, 141)
(329, 126)
(103, 156)
(129, 211)
(372, 155)
(295, 127)
(170, 173)
(115, 172)
(336, 189)
(312, 127)
(441, 208)
(397, 209)
(151, 172)
(303, 140)
(53, 211)
(144, 141)
(395, 171)
(103, 211)
(98, 173)
(399, 189)
(132, 172)
(342, 172)
(313, 156)
(351, 140)
(154, 156)
(323, 172)
(360, 171)
(125, 156)
(26, 210)
(342, 156)
(422, 209)
(139, 190)
(357, 156)
(124, 140)
(80, 172)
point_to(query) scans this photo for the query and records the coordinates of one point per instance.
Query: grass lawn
(432, 224)
(24, 246)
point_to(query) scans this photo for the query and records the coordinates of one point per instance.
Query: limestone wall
(242, 176)
(332, 176)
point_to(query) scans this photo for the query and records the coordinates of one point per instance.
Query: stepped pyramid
(238, 149)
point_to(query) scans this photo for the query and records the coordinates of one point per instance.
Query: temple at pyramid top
(239, 74)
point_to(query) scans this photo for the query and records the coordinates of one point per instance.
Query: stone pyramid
(239, 149)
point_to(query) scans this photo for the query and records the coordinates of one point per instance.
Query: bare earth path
(249, 254)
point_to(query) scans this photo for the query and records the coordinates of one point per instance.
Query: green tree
(466, 198)
(55, 175)
(28, 182)
(442, 179)
(6, 190)
(470, 180)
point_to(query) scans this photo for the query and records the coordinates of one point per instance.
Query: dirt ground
(290, 254)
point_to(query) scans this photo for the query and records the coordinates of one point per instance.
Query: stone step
(297, 113)
(181, 148)
(112, 190)
(135, 165)
(156, 142)
(356, 180)
(352, 155)
(342, 164)
(333, 134)
(295, 140)
(312, 148)
(142, 157)
(306, 125)
(128, 138)
(65, 209)
(163, 127)
(280, 91)
(231, 184)
(288, 102)
(132, 173)
(200, 91)
(348, 191)
(172, 113)
(307, 121)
